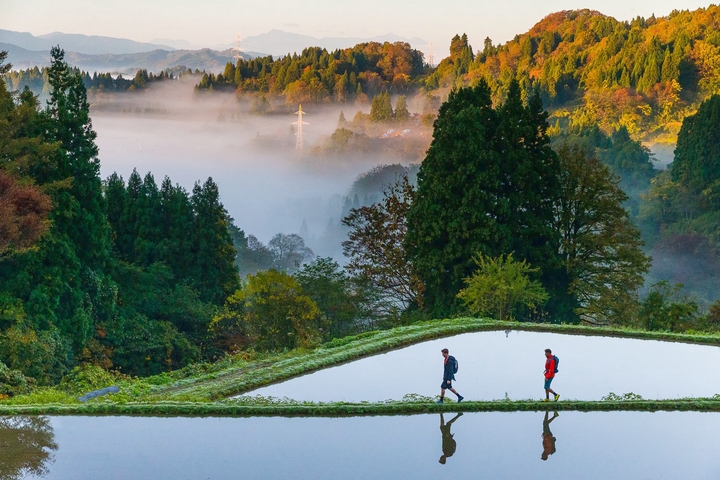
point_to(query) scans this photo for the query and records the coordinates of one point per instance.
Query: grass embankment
(200, 389)
(229, 409)
(248, 376)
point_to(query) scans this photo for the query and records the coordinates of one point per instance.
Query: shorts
(548, 381)
(446, 385)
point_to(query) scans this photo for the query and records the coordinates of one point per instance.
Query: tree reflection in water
(26, 447)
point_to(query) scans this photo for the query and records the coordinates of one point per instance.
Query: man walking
(550, 365)
(448, 442)
(548, 440)
(448, 376)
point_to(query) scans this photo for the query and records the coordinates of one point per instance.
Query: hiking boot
(439, 401)
(460, 398)
(557, 395)
(546, 400)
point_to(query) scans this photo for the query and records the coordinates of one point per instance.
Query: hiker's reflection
(448, 442)
(547, 437)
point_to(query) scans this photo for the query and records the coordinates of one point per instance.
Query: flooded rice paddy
(498, 365)
(528, 445)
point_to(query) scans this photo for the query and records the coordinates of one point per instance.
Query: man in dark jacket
(448, 442)
(448, 376)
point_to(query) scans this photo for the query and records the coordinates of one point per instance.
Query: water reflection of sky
(493, 366)
(598, 445)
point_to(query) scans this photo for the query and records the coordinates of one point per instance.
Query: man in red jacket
(549, 375)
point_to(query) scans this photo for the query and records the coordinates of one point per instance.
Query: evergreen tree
(697, 155)
(487, 186)
(214, 276)
(177, 220)
(69, 124)
(401, 111)
(115, 203)
(381, 108)
(341, 120)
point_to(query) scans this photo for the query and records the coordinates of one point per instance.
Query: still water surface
(496, 365)
(573, 445)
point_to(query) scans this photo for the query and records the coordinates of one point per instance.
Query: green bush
(86, 379)
(13, 382)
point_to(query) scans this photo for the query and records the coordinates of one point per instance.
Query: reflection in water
(26, 445)
(548, 440)
(508, 367)
(448, 442)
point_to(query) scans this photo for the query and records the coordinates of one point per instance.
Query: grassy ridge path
(219, 409)
(246, 376)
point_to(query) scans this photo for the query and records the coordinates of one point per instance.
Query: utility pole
(431, 56)
(237, 49)
(299, 131)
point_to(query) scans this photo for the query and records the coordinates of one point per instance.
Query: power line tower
(431, 56)
(237, 49)
(299, 131)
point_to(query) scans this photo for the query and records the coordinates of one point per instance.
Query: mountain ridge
(76, 42)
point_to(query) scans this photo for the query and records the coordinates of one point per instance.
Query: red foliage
(23, 214)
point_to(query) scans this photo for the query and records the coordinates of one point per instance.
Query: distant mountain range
(87, 44)
(127, 63)
(97, 53)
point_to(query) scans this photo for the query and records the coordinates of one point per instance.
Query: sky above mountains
(211, 23)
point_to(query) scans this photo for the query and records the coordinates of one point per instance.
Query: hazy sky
(211, 22)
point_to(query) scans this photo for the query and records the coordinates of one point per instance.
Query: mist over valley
(266, 185)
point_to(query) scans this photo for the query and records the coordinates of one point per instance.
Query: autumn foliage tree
(375, 247)
(599, 246)
(272, 311)
(23, 214)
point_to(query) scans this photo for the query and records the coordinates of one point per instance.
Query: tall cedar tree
(69, 123)
(488, 186)
(61, 285)
(29, 339)
(697, 154)
(215, 276)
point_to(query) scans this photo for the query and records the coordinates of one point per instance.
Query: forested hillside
(37, 80)
(534, 201)
(121, 276)
(645, 75)
(317, 75)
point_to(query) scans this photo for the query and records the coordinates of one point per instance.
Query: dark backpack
(557, 362)
(455, 365)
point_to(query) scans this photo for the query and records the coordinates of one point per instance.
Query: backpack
(455, 365)
(557, 362)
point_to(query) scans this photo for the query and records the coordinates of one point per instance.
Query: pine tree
(214, 276)
(69, 114)
(487, 186)
(669, 70)
(341, 120)
(176, 226)
(697, 154)
(401, 111)
(381, 108)
(457, 205)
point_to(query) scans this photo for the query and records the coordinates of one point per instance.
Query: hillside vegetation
(645, 75)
